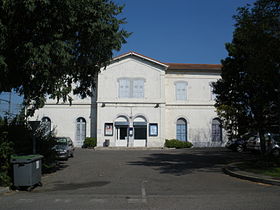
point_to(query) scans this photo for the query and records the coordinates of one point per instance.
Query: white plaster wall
(63, 118)
(110, 112)
(113, 106)
(131, 68)
(198, 88)
(159, 86)
(199, 121)
(198, 109)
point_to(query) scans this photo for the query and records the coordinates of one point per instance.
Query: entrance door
(122, 136)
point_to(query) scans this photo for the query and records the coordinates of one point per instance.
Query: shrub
(6, 150)
(44, 146)
(16, 138)
(174, 143)
(90, 142)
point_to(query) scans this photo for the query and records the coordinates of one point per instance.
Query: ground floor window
(181, 129)
(216, 130)
(80, 130)
(46, 125)
(140, 132)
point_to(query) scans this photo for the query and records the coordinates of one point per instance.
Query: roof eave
(140, 56)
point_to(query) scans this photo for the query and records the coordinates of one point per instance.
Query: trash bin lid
(25, 158)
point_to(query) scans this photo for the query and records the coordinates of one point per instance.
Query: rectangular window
(181, 91)
(131, 88)
(124, 88)
(140, 132)
(138, 88)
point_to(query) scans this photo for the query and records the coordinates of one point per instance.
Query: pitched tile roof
(173, 66)
(188, 66)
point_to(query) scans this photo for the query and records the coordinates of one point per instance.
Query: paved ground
(161, 179)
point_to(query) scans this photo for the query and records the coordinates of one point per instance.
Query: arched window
(216, 130)
(181, 129)
(80, 130)
(46, 125)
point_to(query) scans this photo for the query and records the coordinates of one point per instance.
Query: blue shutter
(216, 130)
(181, 91)
(138, 88)
(181, 130)
(124, 88)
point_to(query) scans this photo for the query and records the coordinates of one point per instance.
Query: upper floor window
(181, 91)
(212, 94)
(131, 88)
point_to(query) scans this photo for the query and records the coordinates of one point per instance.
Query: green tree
(248, 95)
(46, 46)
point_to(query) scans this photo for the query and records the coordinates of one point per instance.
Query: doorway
(122, 137)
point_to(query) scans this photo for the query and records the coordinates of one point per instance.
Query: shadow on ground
(59, 165)
(75, 186)
(186, 161)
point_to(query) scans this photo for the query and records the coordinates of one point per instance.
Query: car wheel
(239, 148)
(276, 152)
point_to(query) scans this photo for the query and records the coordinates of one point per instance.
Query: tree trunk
(262, 141)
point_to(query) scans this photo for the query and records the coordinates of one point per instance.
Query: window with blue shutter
(131, 88)
(181, 91)
(138, 88)
(216, 130)
(80, 130)
(124, 88)
(181, 129)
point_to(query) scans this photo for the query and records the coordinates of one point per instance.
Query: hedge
(90, 142)
(174, 143)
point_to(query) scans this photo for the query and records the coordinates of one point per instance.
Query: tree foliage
(16, 137)
(46, 46)
(248, 94)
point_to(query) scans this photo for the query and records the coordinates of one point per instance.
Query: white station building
(141, 102)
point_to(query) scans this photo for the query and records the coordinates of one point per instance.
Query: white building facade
(140, 102)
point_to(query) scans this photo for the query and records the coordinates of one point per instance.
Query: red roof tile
(188, 66)
(174, 66)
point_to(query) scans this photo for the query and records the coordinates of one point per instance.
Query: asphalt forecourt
(146, 179)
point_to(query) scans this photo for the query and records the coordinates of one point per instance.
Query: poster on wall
(108, 129)
(153, 129)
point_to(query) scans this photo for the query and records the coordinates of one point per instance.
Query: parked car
(238, 144)
(253, 143)
(64, 147)
(272, 142)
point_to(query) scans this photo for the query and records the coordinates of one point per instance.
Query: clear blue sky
(180, 31)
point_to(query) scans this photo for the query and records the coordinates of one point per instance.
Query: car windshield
(61, 141)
